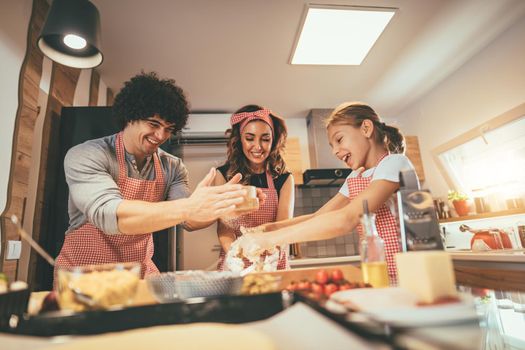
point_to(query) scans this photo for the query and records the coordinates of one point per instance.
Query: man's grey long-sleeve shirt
(92, 172)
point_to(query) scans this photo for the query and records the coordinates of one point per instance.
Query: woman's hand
(261, 195)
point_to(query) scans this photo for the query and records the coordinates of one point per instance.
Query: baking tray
(224, 309)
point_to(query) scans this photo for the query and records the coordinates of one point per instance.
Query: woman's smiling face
(349, 144)
(257, 139)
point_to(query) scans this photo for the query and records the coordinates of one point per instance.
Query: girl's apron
(387, 225)
(266, 213)
(88, 245)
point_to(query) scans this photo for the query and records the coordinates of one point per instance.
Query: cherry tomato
(330, 288)
(337, 275)
(291, 287)
(321, 277)
(304, 285)
(317, 288)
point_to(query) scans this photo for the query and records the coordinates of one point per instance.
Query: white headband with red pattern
(245, 117)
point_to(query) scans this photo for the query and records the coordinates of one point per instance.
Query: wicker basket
(172, 286)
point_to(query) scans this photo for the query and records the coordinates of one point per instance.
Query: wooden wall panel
(93, 88)
(62, 90)
(17, 190)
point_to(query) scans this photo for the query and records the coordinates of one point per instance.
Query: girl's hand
(250, 230)
(253, 245)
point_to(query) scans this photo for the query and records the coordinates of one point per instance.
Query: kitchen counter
(509, 256)
(495, 256)
(457, 336)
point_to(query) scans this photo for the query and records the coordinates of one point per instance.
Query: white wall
(102, 99)
(81, 97)
(14, 20)
(491, 83)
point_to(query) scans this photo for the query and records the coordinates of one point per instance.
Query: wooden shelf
(484, 216)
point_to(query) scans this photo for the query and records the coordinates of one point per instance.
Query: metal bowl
(172, 286)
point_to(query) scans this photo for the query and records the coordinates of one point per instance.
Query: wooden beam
(27, 112)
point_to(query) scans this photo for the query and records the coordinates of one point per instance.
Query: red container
(489, 237)
(461, 207)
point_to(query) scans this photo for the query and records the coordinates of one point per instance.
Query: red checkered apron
(387, 225)
(266, 213)
(88, 245)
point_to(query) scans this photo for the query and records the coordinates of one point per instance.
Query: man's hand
(208, 202)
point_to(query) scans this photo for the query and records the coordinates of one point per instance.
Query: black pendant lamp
(71, 34)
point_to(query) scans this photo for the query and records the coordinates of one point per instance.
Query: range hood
(326, 170)
(325, 177)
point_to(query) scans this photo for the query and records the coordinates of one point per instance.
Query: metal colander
(172, 286)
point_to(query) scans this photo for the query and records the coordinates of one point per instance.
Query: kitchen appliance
(417, 215)
(325, 176)
(494, 238)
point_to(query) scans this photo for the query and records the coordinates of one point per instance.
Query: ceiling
(228, 53)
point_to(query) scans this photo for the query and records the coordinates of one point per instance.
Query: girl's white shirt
(387, 169)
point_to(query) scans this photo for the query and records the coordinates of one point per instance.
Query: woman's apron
(386, 223)
(88, 245)
(266, 213)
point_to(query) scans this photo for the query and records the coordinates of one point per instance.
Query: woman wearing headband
(256, 141)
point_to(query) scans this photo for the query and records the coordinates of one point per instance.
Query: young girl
(256, 141)
(374, 151)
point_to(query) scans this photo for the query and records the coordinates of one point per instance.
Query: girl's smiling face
(256, 139)
(350, 144)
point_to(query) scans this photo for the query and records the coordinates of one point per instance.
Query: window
(488, 160)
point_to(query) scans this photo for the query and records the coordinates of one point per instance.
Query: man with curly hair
(123, 187)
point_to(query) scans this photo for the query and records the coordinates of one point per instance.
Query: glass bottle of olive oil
(373, 262)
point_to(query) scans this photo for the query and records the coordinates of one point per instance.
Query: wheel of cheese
(197, 336)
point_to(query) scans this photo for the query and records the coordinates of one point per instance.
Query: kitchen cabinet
(493, 270)
(292, 157)
(414, 154)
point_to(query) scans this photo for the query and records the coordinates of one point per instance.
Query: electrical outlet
(14, 248)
